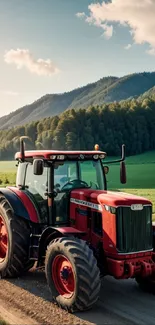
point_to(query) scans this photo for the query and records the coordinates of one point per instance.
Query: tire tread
(88, 282)
(20, 244)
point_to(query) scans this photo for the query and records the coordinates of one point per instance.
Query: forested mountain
(131, 122)
(148, 94)
(105, 90)
(54, 104)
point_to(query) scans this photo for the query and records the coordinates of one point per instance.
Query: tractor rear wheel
(14, 242)
(72, 274)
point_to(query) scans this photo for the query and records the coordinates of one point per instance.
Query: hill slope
(107, 89)
(52, 104)
(148, 94)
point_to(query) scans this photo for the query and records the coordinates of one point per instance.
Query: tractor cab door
(36, 187)
(64, 172)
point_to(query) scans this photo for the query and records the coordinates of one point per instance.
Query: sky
(54, 46)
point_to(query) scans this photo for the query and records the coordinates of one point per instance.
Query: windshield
(83, 174)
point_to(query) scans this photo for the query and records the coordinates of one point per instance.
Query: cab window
(91, 172)
(78, 174)
(36, 184)
(64, 173)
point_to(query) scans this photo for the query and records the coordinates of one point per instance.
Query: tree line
(131, 122)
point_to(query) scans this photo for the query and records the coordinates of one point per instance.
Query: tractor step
(34, 236)
(34, 252)
(34, 246)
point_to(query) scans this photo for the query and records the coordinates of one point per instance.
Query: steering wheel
(73, 182)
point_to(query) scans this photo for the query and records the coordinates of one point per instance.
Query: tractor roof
(47, 154)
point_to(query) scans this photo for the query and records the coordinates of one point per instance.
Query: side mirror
(38, 167)
(123, 172)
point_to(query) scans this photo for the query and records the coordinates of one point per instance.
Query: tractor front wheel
(14, 242)
(72, 274)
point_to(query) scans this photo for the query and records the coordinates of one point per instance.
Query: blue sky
(50, 29)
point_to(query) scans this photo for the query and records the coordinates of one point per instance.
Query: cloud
(108, 31)
(151, 51)
(8, 92)
(81, 14)
(22, 58)
(127, 47)
(138, 15)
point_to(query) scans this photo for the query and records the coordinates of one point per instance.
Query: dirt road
(126, 299)
(121, 302)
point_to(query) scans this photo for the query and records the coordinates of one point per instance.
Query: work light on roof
(96, 147)
(102, 156)
(53, 157)
(96, 157)
(58, 157)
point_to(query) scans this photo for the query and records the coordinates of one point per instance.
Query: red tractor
(61, 215)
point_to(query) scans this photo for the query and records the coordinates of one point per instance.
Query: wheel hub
(65, 273)
(3, 239)
(63, 276)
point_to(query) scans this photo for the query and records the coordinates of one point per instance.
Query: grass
(7, 173)
(138, 176)
(3, 322)
(8, 166)
(7, 178)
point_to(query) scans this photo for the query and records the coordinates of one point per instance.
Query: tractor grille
(134, 229)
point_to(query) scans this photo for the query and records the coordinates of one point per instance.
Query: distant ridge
(107, 89)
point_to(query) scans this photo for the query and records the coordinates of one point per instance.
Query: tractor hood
(110, 198)
(120, 198)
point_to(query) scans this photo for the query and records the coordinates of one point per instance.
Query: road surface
(121, 302)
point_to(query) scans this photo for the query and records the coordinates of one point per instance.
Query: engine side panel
(84, 211)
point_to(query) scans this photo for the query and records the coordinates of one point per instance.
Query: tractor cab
(50, 176)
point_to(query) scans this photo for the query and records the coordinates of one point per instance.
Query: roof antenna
(22, 147)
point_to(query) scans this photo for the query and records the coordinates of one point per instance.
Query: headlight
(110, 209)
(61, 157)
(102, 156)
(95, 157)
(107, 208)
(53, 157)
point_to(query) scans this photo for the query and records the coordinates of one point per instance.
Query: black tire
(16, 260)
(85, 271)
(146, 284)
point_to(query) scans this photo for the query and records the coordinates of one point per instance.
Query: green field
(3, 322)
(140, 172)
(8, 166)
(140, 175)
(7, 172)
